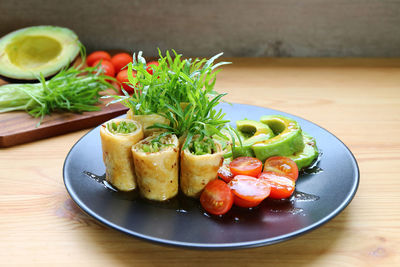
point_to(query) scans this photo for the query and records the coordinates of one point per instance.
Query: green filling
(202, 147)
(157, 144)
(122, 127)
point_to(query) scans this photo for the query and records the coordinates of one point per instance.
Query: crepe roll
(147, 121)
(117, 138)
(156, 166)
(199, 165)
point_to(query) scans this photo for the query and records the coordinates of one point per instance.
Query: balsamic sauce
(184, 205)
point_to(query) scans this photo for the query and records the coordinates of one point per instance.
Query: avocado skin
(307, 156)
(288, 139)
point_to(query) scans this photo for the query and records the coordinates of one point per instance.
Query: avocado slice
(307, 156)
(288, 139)
(250, 128)
(29, 52)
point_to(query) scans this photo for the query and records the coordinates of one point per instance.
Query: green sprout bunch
(181, 90)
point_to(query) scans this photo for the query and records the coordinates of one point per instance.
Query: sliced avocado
(29, 52)
(309, 153)
(249, 128)
(288, 139)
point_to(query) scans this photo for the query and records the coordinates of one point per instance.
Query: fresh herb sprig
(181, 90)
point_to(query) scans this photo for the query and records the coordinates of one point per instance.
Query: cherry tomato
(249, 191)
(246, 166)
(149, 66)
(225, 173)
(216, 197)
(106, 66)
(281, 186)
(122, 78)
(95, 56)
(282, 165)
(120, 60)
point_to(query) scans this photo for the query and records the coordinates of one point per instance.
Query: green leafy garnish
(181, 90)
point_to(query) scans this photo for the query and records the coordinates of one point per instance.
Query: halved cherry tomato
(216, 197)
(282, 165)
(106, 66)
(281, 186)
(122, 78)
(120, 60)
(150, 68)
(246, 166)
(225, 173)
(95, 56)
(249, 191)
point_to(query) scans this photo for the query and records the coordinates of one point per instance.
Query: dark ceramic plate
(182, 222)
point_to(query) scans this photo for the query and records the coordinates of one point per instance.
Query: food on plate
(288, 138)
(72, 90)
(200, 162)
(96, 56)
(156, 160)
(246, 166)
(281, 186)
(147, 121)
(282, 165)
(307, 156)
(121, 60)
(186, 135)
(37, 51)
(217, 197)
(249, 191)
(117, 138)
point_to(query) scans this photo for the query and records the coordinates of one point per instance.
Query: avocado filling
(29, 52)
(121, 127)
(202, 147)
(157, 144)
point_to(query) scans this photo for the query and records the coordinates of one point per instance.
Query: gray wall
(294, 28)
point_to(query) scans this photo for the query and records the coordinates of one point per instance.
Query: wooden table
(358, 100)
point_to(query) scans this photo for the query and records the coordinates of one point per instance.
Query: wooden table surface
(358, 100)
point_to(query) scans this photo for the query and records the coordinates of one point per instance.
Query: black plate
(182, 222)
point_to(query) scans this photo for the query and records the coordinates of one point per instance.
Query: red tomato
(149, 66)
(225, 173)
(122, 78)
(120, 60)
(106, 66)
(95, 56)
(281, 186)
(282, 165)
(246, 166)
(216, 197)
(249, 191)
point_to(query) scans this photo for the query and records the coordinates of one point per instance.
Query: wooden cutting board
(19, 127)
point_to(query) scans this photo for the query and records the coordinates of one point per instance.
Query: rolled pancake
(198, 170)
(157, 172)
(147, 121)
(117, 156)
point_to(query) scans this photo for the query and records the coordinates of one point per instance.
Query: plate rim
(222, 246)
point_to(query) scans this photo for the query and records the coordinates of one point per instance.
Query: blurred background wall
(244, 28)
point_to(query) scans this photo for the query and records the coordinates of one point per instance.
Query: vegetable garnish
(122, 127)
(75, 89)
(179, 89)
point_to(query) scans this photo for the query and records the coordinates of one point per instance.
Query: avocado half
(29, 52)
